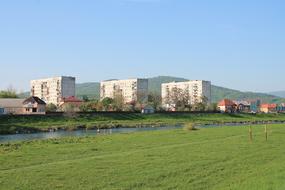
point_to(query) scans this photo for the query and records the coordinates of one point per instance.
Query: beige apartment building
(196, 90)
(52, 90)
(132, 90)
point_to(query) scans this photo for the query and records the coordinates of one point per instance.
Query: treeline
(117, 104)
(9, 93)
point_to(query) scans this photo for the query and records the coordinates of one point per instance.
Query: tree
(51, 107)
(179, 98)
(89, 106)
(9, 93)
(107, 103)
(212, 107)
(154, 100)
(85, 98)
(69, 110)
(119, 103)
(202, 105)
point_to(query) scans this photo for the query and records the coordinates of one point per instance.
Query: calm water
(80, 133)
(77, 133)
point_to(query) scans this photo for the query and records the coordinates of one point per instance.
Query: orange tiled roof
(71, 99)
(269, 106)
(226, 102)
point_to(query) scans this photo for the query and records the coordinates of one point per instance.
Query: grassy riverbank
(213, 158)
(12, 124)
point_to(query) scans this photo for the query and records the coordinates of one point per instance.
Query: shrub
(189, 127)
(51, 108)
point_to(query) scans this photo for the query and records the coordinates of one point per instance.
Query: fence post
(250, 133)
(266, 133)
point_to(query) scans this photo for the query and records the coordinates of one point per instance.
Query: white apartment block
(132, 90)
(197, 89)
(52, 90)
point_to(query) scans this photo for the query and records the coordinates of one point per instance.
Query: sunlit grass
(213, 158)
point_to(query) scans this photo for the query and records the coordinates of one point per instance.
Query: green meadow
(209, 158)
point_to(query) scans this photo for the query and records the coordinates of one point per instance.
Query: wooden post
(266, 133)
(250, 133)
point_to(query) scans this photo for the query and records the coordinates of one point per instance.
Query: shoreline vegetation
(32, 124)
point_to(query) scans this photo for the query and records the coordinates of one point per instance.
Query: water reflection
(77, 133)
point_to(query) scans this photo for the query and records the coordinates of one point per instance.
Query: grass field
(214, 158)
(11, 124)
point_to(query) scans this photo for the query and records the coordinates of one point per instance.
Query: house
(281, 107)
(255, 106)
(268, 108)
(72, 101)
(16, 106)
(148, 110)
(2, 111)
(34, 105)
(242, 106)
(12, 106)
(227, 106)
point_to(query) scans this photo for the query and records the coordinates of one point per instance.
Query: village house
(147, 110)
(71, 101)
(227, 106)
(242, 106)
(1, 111)
(255, 105)
(268, 108)
(281, 108)
(30, 106)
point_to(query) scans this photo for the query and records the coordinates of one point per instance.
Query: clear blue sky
(238, 44)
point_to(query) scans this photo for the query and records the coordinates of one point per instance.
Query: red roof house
(226, 105)
(268, 108)
(71, 100)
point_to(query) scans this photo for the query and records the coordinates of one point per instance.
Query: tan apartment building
(195, 90)
(53, 90)
(132, 90)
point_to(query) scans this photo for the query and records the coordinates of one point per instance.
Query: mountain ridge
(280, 93)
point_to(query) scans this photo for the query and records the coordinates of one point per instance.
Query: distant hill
(219, 93)
(154, 84)
(92, 90)
(278, 93)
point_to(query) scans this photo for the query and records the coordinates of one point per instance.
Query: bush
(189, 127)
(51, 108)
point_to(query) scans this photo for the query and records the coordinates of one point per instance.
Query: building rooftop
(48, 78)
(110, 80)
(269, 106)
(11, 102)
(226, 102)
(181, 82)
(34, 99)
(71, 99)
